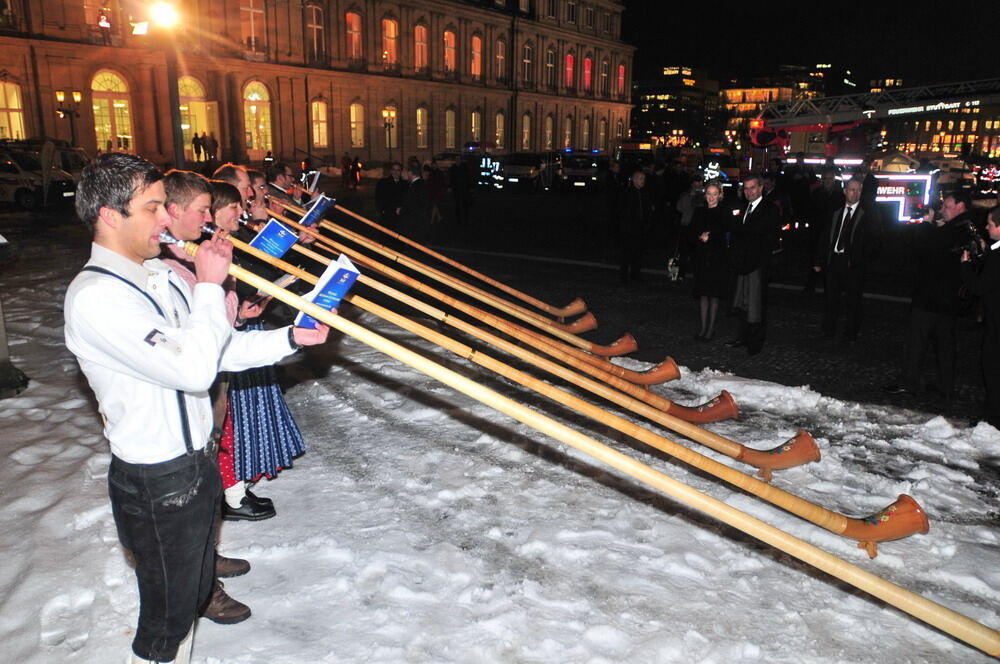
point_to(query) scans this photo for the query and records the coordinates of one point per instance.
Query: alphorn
(796, 451)
(574, 308)
(947, 620)
(566, 333)
(720, 407)
(662, 372)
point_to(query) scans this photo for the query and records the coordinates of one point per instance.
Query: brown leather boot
(223, 609)
(226, 568)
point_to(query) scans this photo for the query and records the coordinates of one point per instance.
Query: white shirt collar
(995, 245)
(134, 272)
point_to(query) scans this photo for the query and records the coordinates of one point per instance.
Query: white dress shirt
(137, 360)
(836, 243)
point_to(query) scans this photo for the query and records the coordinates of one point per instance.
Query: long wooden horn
(719, 408)
(798, 450)
(663, 372)
(567, 333)
(961, 627)
(574, 308)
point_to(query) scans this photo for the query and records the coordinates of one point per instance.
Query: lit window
(527, 64)
(475, 126)
(450, 58)
(390, 43)
(315, 34)
(605, 78)
(422, 127)
(585, 134)
(499, 122)
(602, 134)
(526, 131)
(568, 132)
(501, 60)
(621, 80)
(476, 59)
(354, 44)
(570, 77)
(11, 111)
(320, 133)
(257, 120)
(112, 113)
(450, 131)
(252, 25)
(420, 57)
(548, 137)
(357, 125)
(588, 74)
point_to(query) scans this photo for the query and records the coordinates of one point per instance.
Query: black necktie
(845, 231)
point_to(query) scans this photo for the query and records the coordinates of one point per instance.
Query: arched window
(391, 125)
(602, 134)
(476, 126)
(355, 48)
(318, 115)
(621, 80)
(422, 129)
(588, 74)
(252, 25)
(499, 126)
(450, 130)
(11, 111)
(315, 35)
(605, 80)
(257, 120)
(528, 64)
(420, 52)
(112, 113)
(476, 57)
(526, 131)
(450, 56)
(357, 125)
(570, 77)
(390, 43)
(585, 134)
(619, 130)
(197, 114)
(567, 141)
(550, 68)
(501, 60)
(549, 133)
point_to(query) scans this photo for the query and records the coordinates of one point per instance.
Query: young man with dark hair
(150, 347)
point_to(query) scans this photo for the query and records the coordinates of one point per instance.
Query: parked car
(582, 169)
(21, 180)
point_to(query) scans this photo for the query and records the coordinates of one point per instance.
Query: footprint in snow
(65, 620)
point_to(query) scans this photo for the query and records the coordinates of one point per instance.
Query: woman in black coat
(712, 280)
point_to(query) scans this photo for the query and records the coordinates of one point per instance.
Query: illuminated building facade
(681, 107)
(381, 79)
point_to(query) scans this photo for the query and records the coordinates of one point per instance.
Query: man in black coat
(848, 242)
(389, 192)
(635, 216)
(416, 203)
(824, 200)
(756, 225)
(936, 304)
(983, 279)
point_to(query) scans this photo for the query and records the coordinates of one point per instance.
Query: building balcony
(391, 68)
(356, 64)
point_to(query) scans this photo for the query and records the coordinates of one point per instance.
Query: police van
(22, 182)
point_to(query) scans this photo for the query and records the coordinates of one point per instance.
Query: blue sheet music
(332, 286)
(275, 239)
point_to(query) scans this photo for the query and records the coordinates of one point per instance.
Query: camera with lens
(969, 240)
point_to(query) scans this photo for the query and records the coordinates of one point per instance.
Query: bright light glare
(164, 14)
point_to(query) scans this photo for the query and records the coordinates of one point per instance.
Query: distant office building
(883, 84)
(681, 107)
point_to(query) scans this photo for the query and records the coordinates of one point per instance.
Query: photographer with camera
(938, 244)
(982, 276)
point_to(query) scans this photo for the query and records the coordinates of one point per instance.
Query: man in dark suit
(755, 229)
(416, 203)
(635, 217)
(389, 193)
(848, 241)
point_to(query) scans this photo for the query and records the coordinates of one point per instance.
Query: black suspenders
(181, 405)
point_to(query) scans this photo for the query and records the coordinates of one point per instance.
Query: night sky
(873, 39)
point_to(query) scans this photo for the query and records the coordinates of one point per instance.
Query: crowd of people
(181, 360)
(727, 246)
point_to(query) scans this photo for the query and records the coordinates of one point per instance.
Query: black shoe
(247, 511)
(260, 500)
(897, 389)
(226, 568)
(736, 343)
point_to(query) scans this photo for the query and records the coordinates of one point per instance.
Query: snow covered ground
(422, 526)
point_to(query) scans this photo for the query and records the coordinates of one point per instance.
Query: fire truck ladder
(894, 102)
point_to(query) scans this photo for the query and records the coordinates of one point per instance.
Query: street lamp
(69, 110)
(389, 122)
